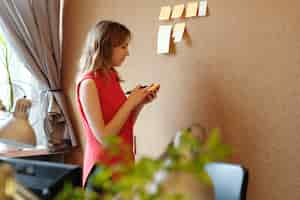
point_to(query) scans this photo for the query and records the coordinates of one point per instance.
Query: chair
(230, 181)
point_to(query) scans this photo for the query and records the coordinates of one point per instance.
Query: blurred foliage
(5, 56)
(144, 179)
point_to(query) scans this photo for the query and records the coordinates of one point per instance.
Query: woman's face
(120, 53)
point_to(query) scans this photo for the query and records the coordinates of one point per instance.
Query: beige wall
(240, 72)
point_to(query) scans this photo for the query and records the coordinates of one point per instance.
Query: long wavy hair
(98, 49)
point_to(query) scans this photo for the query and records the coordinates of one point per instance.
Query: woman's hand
(150, 97)
(138, 96)
(153, 89)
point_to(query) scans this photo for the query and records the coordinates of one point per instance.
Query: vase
(17, 128)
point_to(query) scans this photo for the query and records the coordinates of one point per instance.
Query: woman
(102, 103)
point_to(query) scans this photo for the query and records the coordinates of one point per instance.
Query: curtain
(34, 30)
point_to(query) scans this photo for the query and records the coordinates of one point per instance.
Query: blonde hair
(103, 37)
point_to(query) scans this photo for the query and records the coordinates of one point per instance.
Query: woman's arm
(148, 99)
(137, 111)
(88, 95)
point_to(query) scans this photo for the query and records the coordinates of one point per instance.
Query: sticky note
(202, 8)
(191, 9)
(177, 11)
(165, 13)
(178, 31)
(163, 40)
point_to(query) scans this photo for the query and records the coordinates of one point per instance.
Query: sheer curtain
(34, 30)
(24, 85)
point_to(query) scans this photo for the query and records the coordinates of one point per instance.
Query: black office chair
(230, 181)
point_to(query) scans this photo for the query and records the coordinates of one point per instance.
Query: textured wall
(240, 71)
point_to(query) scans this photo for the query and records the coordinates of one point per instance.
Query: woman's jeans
(89, 184)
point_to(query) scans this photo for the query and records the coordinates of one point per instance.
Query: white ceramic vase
(17, 128)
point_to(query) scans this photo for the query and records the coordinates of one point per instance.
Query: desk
(38, 153)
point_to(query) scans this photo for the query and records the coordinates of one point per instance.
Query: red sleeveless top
(111, 97)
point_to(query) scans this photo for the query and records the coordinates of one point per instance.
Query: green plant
(5, 58)
(140, 181)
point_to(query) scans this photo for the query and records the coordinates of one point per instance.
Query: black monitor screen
(43, 178)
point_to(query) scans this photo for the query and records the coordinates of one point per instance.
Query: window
(24, 85)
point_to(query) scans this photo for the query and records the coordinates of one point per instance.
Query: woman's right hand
(137, 96)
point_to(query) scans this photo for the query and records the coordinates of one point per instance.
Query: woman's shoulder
(107, 76)
(84, 75)
(88, 85)
(99, 77)
(94, 75)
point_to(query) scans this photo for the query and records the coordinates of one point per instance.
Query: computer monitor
(43, 178)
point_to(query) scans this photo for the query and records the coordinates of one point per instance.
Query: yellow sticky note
(165, 13)
(178, 31)
(163, 40)
(202, 8)
(177, 11)
(191, 9)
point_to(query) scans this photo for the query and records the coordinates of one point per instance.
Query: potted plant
(157, 179)
(5, 58)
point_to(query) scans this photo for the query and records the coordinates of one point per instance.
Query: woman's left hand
(150, 97)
